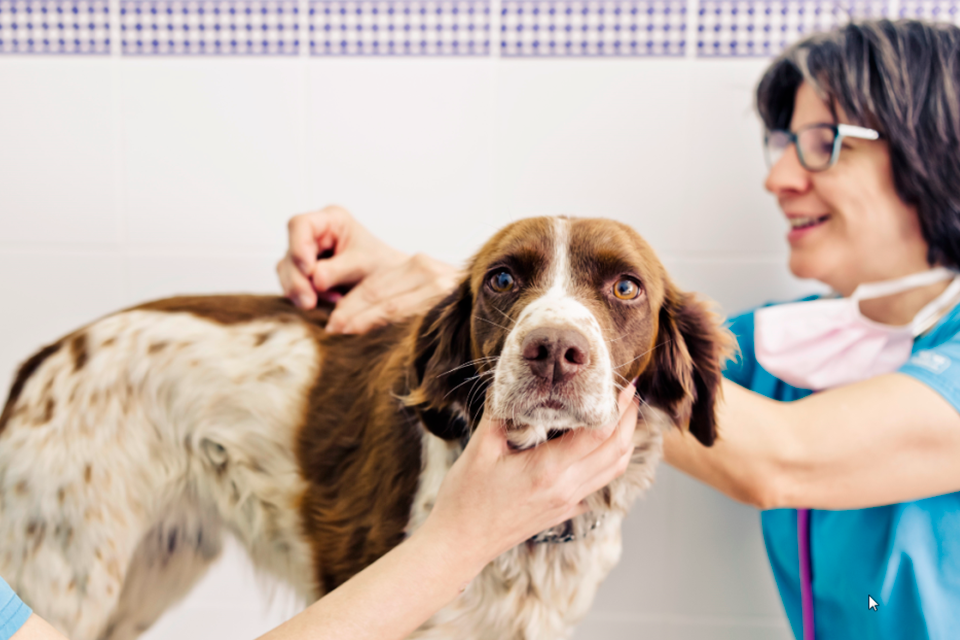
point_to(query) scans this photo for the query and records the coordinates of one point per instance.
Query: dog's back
(127, 447)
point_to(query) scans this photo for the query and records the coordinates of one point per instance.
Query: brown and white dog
(128, 447)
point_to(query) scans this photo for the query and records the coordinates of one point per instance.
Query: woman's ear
(440, 370)
(685, 375)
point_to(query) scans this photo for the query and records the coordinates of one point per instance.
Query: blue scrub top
(906, 556)
(13, 613)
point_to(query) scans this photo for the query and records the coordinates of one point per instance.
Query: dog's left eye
(501, 281)
(626, 289)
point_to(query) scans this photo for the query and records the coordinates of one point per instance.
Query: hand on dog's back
(372, 283)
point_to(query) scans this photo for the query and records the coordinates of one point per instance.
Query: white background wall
(128, 179)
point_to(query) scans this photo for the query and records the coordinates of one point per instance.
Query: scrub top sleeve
(741, 367)
(939, 368)
(13, 613)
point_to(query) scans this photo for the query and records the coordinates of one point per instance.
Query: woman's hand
(356, 253)
(494, 498)
(393, 293)
(385, 285)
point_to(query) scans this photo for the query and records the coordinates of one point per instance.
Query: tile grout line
(116, 104)
(306, 38)
(495, 35)
(494, 89)
(692, 23)
(303, 6)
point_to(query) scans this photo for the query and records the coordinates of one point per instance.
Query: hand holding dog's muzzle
(495, 497)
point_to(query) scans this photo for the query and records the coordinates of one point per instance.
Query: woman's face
(848, 225)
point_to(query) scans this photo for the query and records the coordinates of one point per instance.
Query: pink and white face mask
(822, 344)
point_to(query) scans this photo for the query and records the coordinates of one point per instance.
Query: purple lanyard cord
(806, 581)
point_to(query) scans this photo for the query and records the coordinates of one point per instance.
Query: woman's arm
(881, 441)
(36, 628)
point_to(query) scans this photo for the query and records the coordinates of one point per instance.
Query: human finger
(344, 269)
(606, 474)
(397, 307)
(377, 289)
(610, 459)
(309, 234)
(374, 289)
(295, 286)
(576, 444)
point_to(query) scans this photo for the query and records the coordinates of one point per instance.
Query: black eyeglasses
(818, 145)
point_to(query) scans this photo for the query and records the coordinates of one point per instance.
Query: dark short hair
(903, 79)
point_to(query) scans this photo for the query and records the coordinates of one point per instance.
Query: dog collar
(565, 533)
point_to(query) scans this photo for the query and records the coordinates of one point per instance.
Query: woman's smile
(802, 225)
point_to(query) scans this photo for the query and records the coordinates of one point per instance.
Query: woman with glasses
(841, 417)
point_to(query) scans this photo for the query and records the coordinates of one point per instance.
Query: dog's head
(554, 317)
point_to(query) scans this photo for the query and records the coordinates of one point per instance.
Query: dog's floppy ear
(685, 375)
(440, 373)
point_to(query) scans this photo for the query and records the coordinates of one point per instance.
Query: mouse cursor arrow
(871, 603)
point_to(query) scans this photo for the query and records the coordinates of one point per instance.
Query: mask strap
(888, 288)
(934, 311)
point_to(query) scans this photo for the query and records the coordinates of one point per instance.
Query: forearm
(36, 628)
(882, 441)
(392, 597)
(750, 461)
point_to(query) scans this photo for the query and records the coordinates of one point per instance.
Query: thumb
(348, 268)
(489, 437)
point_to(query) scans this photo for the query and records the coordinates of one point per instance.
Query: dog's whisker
(461, 384)
(512, 321)
(642, 354)
(483, 360)
(492, 322)
(477, 386)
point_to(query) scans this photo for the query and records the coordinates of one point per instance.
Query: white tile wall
(408, 147)
(127, 179)
(212, 150)
(56, 151)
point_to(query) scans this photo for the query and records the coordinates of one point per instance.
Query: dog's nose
(555, 354)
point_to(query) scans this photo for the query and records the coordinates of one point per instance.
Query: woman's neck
(900, 308)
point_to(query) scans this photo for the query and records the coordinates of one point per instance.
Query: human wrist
(462, 554)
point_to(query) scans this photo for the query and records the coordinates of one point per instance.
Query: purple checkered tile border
(938, 10)
(766, 27)
(209, 27)
(563, 28)
(55, 26)
(400, 27)
(526, 28)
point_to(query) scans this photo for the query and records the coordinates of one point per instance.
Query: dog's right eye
(501, 281)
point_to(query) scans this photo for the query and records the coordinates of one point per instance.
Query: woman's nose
(787, 174)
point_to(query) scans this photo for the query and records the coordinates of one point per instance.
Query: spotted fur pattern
(129, 448)
(127, 454)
